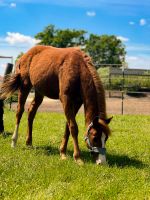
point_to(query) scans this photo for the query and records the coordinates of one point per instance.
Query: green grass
(39, 174)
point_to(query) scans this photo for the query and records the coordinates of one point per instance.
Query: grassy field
(39, 174)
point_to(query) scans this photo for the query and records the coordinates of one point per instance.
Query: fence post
(122, 105)
(122, 93)
(109, 82)
(8, 70)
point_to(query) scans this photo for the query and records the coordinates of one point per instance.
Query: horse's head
(96, 137)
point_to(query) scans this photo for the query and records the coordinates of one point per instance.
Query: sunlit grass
(39, 174)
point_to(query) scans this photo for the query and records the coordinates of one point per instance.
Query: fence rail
(126, 86)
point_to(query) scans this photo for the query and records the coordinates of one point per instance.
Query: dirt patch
(114, 106)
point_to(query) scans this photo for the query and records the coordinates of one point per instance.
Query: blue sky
(129, 20)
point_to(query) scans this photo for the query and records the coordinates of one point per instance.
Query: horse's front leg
(74, 132)
(31, 114)
(72, 126)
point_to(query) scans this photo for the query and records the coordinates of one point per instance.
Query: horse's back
(50, 66)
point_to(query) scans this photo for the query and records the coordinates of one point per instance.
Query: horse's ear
(107, 121)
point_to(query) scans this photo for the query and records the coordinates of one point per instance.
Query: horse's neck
(91, 110)
(90, 101)
(94, 105)
(90, 113)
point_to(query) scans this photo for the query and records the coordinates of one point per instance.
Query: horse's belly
(47, 86)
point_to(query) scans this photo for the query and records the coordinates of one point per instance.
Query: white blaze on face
(101, 159)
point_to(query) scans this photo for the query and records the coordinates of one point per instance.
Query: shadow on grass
(120, 161)
(123, 161)
(51, 150)
(46, 150)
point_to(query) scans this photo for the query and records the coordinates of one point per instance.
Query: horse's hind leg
(64, 143)
(22, 96)
(65, 139)
(31, 114)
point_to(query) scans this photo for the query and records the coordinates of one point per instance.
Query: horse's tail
(10, 84)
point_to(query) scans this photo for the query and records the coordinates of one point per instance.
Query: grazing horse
(66, 74)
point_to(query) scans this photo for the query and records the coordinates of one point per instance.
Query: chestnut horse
(69, 75)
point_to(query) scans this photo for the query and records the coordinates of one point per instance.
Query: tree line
(103, 49)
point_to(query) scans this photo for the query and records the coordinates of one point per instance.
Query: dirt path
(114, 106)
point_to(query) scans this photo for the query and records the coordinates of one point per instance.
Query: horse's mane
(98, 85)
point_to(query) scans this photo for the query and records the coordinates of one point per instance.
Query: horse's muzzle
(101, 159)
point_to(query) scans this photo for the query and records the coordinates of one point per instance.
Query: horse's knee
(31, 112)
(19, 113)
(73, 130)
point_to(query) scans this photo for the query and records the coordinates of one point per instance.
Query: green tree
(106, 49)
(61, 38)
(47, 36)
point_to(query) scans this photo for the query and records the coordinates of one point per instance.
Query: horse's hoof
(29, 143)
(30, 146)
(79, 161)
(63, 156)
(13, 144)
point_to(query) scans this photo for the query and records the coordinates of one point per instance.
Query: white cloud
(3, 65)
(131, 58)
(142, 22)
(17, 39)
(13, 5)
(6, 4)
(91, 13)
(131, 23)
(12, 44)
(138, 62)
(138, 55)
(138, 48)
(123, 39)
